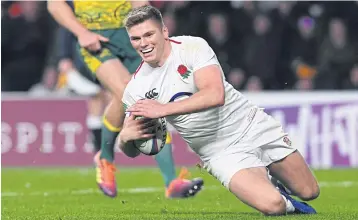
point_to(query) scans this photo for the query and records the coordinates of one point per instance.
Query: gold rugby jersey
(101, 15)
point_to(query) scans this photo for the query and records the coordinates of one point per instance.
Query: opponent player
(237, 141)
(105, 48)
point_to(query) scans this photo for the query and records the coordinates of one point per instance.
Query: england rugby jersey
(206, 132)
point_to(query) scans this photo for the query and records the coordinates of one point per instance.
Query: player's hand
(91, 41)
(148, 108)
(143, 128)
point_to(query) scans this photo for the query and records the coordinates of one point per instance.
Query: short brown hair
(142, 14)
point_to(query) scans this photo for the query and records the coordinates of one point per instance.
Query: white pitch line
(93, 191)
(343, 184)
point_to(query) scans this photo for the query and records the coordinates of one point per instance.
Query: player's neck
(166, 53)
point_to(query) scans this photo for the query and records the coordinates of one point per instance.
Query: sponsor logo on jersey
(151, 94)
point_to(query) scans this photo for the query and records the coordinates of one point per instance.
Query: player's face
(148, 39)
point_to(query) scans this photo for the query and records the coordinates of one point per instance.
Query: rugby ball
(155, 144)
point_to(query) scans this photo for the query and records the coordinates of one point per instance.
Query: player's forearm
(64, 15)
(199, 101)
(127, 148)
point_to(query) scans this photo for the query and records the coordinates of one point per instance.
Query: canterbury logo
(152, 94)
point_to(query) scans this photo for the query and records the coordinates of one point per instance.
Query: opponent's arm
(64, 15)
(211, 93)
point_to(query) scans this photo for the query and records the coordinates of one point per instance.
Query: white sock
(81, 85)
(94, 122)
(289, 206)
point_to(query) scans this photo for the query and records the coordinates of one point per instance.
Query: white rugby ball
(155, 144)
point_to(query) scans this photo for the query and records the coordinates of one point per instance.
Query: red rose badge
(183, 71)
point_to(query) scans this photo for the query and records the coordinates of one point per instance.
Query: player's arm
(126, 146)
(133, 129)
(123, 142)
(211, 93)
(207, 78)
(64, 15)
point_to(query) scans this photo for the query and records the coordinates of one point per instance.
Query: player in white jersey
(181, 79)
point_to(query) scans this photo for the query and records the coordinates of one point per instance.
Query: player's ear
(165, 32)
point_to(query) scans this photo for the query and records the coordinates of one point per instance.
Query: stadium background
(298, 60)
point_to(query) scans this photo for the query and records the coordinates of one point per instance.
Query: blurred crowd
(261, 45)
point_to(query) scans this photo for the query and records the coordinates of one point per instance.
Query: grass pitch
(71, 194)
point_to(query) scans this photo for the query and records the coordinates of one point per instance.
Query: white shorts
(264, 143)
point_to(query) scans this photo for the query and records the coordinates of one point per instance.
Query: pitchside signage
(43, 132)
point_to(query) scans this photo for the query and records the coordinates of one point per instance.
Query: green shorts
(118, 47)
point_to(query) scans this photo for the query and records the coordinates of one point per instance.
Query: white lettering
(70, 129)
(317, 132)
(346, 126)
(6, 142)
(47, 137)
(88, 147)
(302, 129)
(314, 140)
(117, 148)
(27, 133)
(326, 138)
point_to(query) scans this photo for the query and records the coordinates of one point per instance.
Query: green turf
(66, 194)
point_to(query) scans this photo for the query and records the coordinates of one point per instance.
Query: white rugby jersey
(206, 132)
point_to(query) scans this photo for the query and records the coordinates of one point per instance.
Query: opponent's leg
(165, 162)
(94, 119)
(114, 76)
(295, 174)
(81, 82)
(175, 187)
(253, 187)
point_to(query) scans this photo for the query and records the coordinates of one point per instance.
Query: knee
(117, 95)
(117, 90)
(309, 192)
(116, 100)
(274, 206)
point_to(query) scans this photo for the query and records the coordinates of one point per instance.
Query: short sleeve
(202, 55)
(127, 99)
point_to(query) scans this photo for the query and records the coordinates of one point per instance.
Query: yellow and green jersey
(101, 15)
